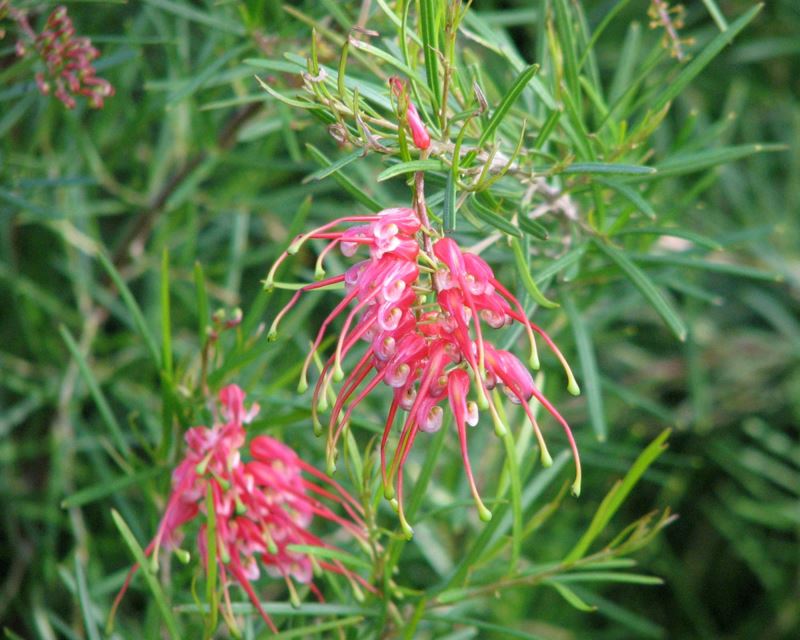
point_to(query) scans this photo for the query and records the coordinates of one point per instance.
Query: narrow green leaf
(287, 609)
(201, 295)
(89, 623)
(40, 212)
(692, 162)
(600, 28)
(697, 238)
(166, 324)
(388, 59)
(449, 208)
(566, 261)
(330, 554)
(631, 195)
(194, 83)
(292, 102)
(312, 629)
(334, 166)
(279, 66)
(716, 14)
(430, 49)
(133, 308)
(149, 576)
(712, 49)
(608, 168)
(94, 389)
(570, 596)
(345, 182)
(548, 127)
(536, 229)
(497, 630)
(527, 280)
(516, 499)
(710, 265)
(211, 567)
(108, 488)
(640, 625)
(411, 166)
(646, 287)
(493, 219)
(614, 499)
(610, 576)
(503, 108)
(182, 10)
(588, 362)
(568, 48)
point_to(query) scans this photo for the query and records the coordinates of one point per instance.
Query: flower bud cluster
(260, 508)
(423, 309)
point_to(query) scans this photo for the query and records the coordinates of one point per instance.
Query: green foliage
(643, 208)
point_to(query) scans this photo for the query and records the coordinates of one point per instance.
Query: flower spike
(261, 507)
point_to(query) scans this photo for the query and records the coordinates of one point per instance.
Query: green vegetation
(633, 177)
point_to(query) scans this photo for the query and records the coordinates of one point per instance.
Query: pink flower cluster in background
(424, 314)
(67, 58)
(260, 507)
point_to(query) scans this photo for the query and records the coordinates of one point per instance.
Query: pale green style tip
(547, 461)
(499, 428)
(184, 557)
(573, 387)
(533, 361)
(317, 426)
(322, 403)
(272, 336)
(269, 284)
(483, 513)
(576, 488)
(331, 467)
(319, 273)
(408, 532)
(338, 373)
(302, 385)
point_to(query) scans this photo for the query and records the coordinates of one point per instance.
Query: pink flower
(67, 59)
(261, 507)
(424, 316)
(419, 132)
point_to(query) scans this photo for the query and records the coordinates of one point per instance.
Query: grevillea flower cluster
(67, 58)
(424, 307)
(259, 508)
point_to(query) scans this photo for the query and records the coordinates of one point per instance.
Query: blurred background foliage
(189, 162)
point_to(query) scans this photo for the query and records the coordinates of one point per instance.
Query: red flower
(261, 507)
(423, 315)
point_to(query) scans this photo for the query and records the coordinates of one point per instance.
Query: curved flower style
(423, 312)
(260, 508)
